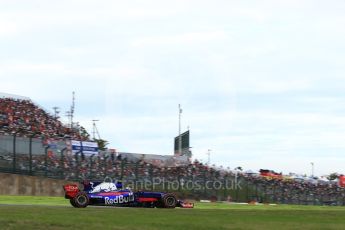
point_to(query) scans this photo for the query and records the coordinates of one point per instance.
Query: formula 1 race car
(111, 194)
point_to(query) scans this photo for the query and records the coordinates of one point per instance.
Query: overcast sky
(261, 83)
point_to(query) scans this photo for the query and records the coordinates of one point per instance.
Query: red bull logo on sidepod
(119, 199)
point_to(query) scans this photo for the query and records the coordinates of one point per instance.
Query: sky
(261, 83)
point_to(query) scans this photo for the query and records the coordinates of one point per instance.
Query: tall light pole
(208, 156)
(56, 112)
(179, 130)
(312, 169)
(95, 130)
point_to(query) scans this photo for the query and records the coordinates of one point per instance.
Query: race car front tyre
(169, 201)
(81, 200)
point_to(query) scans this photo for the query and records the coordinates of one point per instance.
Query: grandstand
(20, 116)
(33, 142)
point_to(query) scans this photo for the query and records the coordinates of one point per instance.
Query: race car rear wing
(71, 190)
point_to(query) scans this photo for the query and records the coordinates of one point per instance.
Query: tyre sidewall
(169, 200)
(72, 203)
(81, 200)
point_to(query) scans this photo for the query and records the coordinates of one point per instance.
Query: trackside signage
(85, 147)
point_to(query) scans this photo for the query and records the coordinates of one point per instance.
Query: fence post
(299, 197)
(122, 168)
(151, 176)
(225, 183)
(61, 162)
(274, 194)
(77, 165)
(90, 166)
(30, 154)
(236, 194)
(105, 165)
(179, 179)
(136, 174)
(236, 183)
(265, 196)
(247, 190)
(46, 161)
(165, 180)
(205, 182)
(14, 152)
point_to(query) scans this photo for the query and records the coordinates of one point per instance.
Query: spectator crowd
(253, 187)
(24, 118)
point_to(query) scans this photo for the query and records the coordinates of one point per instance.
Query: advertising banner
(85, 147)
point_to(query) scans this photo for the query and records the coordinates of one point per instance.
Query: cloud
(187, 38)
(8, 28)
(271, 85)
(260, 82)
(31, 16)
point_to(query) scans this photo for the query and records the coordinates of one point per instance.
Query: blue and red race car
(111, 194)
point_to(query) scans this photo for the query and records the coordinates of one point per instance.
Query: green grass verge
(34, 200)
(203, 216)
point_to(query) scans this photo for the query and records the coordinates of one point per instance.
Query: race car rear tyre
(81, 200)
(169, 201)
(72, 203)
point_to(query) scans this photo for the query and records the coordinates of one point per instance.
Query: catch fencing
(31, 156)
